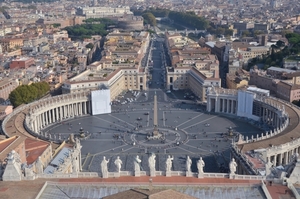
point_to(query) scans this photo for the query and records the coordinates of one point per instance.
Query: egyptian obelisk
(155, 130)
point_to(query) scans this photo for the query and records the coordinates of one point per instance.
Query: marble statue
(232, 166)
(28, 172)
(137, 164)
(118, 163)
(13, 170)
(104, 167)
(188, 164)
(74, 163)
(39, 166)
(151, 162)
(71, 138)
(200, 165)
(169, 162)
(268, 167)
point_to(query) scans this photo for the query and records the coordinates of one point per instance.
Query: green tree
(90, 45)
(56, 25)
(149, 18)
(28, 93)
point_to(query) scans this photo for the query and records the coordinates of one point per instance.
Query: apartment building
(253, 52)
(6, 87)
(238, 79)
(192, 67)
(287, 87)
(5, 110)
(23, 62)
(292, 62)
(9, 44)
(100, 12)
(119, 68)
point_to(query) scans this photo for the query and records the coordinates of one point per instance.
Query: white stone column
(53, 115)
(223, 105)
(90, 107)
(68, 110)
(280, 159)
(76, 108)
(63, 111)
(216, 104)
(227, 108)
(33, 126)
(83, 108)
(72, 109)
(232, 104)
(50, 116)
(80, 108)
(43, 119)
(57, 115)
(208, 104)
(40, 122)
(46, 117)
(37, 122)
(286, 158)
(275, 160)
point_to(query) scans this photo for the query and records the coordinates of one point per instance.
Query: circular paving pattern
(142, 138)
(183, 127)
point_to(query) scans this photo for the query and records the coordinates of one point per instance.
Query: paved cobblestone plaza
(187, 130)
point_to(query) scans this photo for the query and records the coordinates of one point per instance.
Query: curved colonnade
(265, 109)
(279, 144)
(45, 112)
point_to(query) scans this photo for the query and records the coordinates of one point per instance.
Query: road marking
(112, 123)
(186, 150)
(197, 148)
(122, 121)
(110, 149)
(148, 118)
(190, 119)
(200, 122)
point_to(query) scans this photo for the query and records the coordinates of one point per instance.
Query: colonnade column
(223, 105)
(83, 108)
(53, 115)
(280, 159)
(57, 115)
(46, 118)
(80, 108)
(65, 113)
(50, 116)
(90, 107)
(227, 108)
(37, 123)
(284, 158)
(43, 119)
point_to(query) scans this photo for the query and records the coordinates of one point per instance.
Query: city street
(186, 128)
